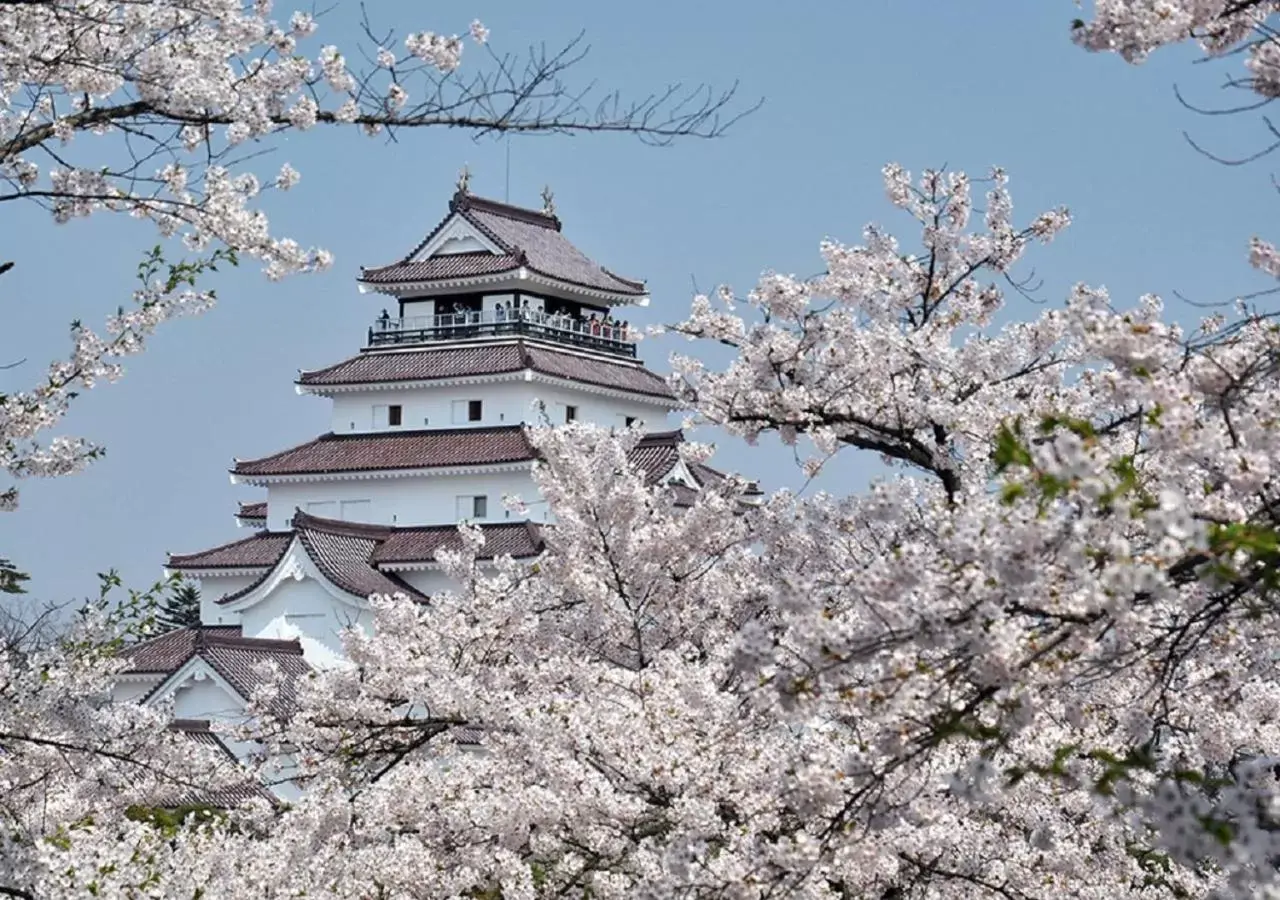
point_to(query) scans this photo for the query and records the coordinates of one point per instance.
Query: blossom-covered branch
(146, 109)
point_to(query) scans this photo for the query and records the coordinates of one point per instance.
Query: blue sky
(847, 87)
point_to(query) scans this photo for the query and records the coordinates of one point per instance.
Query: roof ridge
(463, 202)
(172, 635)
(411, 432)
(256, 536)
(404, 529)
(656, 438)
(291, 646)
(306, 521)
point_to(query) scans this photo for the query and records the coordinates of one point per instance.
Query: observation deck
(562, 328)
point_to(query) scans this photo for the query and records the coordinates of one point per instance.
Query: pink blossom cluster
(191, 80)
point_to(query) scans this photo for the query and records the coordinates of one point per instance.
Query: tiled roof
(262, 549)
(239, 664)
(421, 365)
(252, 512)
(331, 453)
(407, 545)
(167, 652)
(526, 238)
(493, 359)
(227, 652)
(657, 454)
(345, 559)
(443, 267)
(349, 553)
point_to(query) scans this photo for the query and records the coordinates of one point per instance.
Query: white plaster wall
(429, 500)
(608, 412)
(212, 589)
(507, 403)
(307, 611)
(429, 581)
(504, 404)
(206, 699)
(131, 691)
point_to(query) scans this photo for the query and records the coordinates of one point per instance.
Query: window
(570, 414)
(467, 411)
(473, 507)
(394, 413)
(629, 421)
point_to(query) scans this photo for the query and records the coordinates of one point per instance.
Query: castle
(494, 321)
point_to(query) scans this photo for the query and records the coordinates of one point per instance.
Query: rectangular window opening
(394, 413)
(475, 410)
(570, 414)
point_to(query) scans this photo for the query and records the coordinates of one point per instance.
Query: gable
(295, 565)
(198, 692)
(457, 235)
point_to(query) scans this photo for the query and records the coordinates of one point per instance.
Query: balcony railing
(591, 334)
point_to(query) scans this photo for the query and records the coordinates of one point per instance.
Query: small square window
(475, 411)
(480, 507)
(394, 413)
(570, 413)
(629, 421)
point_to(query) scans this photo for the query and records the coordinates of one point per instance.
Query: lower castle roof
(234, 657)
(420, 449)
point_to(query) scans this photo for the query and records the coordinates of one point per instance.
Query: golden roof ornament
(464, 180)
(548, 201)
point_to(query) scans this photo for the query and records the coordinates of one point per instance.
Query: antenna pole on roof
(506, 191)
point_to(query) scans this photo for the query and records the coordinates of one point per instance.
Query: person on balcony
(384, 320)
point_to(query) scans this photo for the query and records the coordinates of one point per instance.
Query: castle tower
(494, 321)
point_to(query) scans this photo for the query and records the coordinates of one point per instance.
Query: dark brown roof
(345, 559)
(262, 549)
(444, 267)
(437, 448)
(526, 238)
(406, 545)
(167, 652)
(239, 665)
(492, 359)
(227, 652)
(656, 455)
(252, 512)
(349, 553)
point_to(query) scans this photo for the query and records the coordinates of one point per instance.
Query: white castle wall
(420, 500)
(206, 698)
(212, 589)
(307, 611)
(509, 403)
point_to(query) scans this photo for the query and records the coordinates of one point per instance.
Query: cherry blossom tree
(150, 109)
(1037, 660)
(1242, 34)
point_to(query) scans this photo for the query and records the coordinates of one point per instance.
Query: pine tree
(11, 579)
(181, 608)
